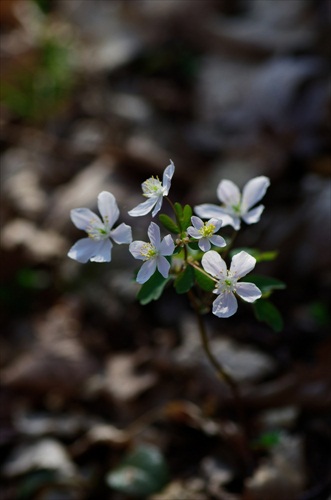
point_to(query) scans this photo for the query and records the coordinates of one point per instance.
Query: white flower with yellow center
(236, 206)
(97, 247)
(205, 233)
(227, 285)
(153, 253)
(154, 190)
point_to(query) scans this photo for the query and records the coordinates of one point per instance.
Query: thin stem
(221, 372)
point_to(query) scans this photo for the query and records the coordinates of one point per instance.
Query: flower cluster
(191, 230)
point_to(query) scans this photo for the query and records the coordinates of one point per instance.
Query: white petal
(83, 217)
(122, 234)
(225, 305)
(218, 241)
(228, 193)
(204, 244)
(207, 211)
(253, 215)
(242, 263)
(103, 251)
(143, 208)
(135, 249)
(154, 234)
(194, 233)
(248, 291)
(158, 206)
(87, 249)
(215, 222)
(167, 176)
(253, 192)
(163, 266)
(108, 208)
(197, 222)
(146, 271)
(167, 246)
(213, 264)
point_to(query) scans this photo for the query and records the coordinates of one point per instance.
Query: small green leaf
(178, 210)
(142, 472)
(152, 289)
(265, 283)
(266, 311)
(267, 440)
(168, 223)
(254, 252)
(194, 245)
(204, 282)
(185, 280)
(186, 218)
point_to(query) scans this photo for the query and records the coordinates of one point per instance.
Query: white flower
(236, 206)
(153, 253)
(97, 247)
(227, 285)
(154, 190)
(205, 233)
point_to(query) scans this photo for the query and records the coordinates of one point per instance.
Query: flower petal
(143, 208)
(84, 217)
(194, 233)
(163, 266)
(167, 176)
(248, 291)
(197, 222)
(253, 215)
(154, 235)
(228, 193)
(225, 305)
(108, 208)
(146, 271)
(213, 264)
(135, 249)
(217, 223)
(204, 244)
(207, 211)
(218, 241)
(242, 263)
(158, 206)
(167, 245)
(122, 234)
(103, 251)
(87, 249)
(253, 192)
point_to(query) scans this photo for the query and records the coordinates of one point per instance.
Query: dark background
(98, 96)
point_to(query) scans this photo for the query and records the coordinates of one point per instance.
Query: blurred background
(98, 96)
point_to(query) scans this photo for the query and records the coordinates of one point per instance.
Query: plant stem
(221, 372)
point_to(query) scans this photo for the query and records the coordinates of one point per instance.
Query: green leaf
(142, 472)
(265, 283)
(186, 218)
(254, 252)
(204, 282)
(185, 280)
(267, 440)
(266, 311)
(168, 223)
(152, 289)
(178, 210)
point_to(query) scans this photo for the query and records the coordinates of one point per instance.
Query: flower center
(236, 209)
(227, 285)
(148, 251)
(152, 187)
(207, 230)
(97, 232)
